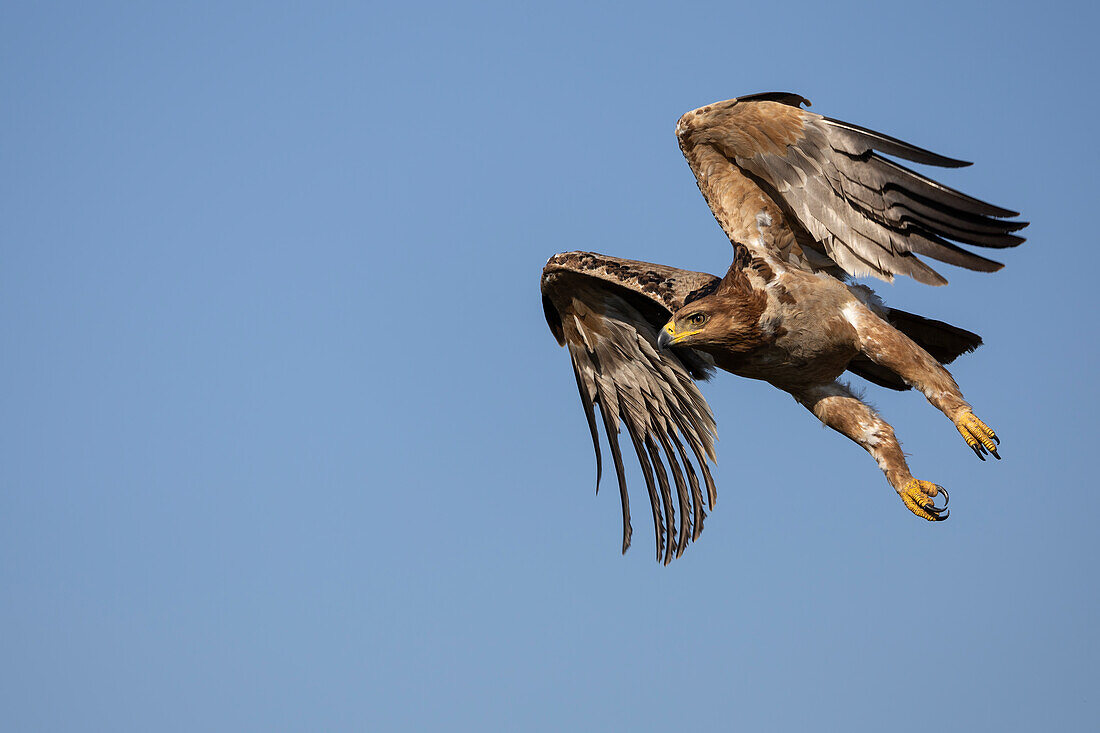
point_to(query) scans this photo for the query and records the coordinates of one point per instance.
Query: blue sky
(287, 444)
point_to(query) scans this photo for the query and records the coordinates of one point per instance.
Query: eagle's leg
(837, 407)
(889, 347)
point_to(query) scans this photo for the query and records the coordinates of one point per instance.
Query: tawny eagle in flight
(807, 202)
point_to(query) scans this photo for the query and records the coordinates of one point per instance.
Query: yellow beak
(666, 336)
(669, 336)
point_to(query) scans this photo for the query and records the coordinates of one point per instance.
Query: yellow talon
(919, 498)
(979, 436)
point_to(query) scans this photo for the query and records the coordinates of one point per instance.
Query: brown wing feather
(764, 158)
(608, 311)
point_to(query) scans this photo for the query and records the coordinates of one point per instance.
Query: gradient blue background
(286, 444)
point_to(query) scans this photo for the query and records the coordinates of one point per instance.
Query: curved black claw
(978, 450)
(940, 513)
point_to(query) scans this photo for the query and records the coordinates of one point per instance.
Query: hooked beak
(667, 336)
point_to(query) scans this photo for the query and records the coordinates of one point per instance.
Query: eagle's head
(729, 320)
(692, 325)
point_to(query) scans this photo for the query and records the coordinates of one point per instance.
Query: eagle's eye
(697, 319)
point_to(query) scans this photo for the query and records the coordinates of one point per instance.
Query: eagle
(809, 203)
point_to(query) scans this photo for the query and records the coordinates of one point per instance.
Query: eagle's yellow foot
(919, 498)
(979, 436)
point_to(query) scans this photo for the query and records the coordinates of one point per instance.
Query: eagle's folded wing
(608, 312)
(841, 199)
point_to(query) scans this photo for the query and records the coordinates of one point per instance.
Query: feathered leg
(837, 407)
(889, 347)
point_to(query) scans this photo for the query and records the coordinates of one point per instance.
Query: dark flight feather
(607, 311)
(871, 215)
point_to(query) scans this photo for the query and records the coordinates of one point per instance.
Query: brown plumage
(807, 202)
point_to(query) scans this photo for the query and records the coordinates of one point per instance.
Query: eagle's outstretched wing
(803, 189)
(608, 311)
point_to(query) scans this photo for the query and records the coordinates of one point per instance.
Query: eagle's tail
(942, 340)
